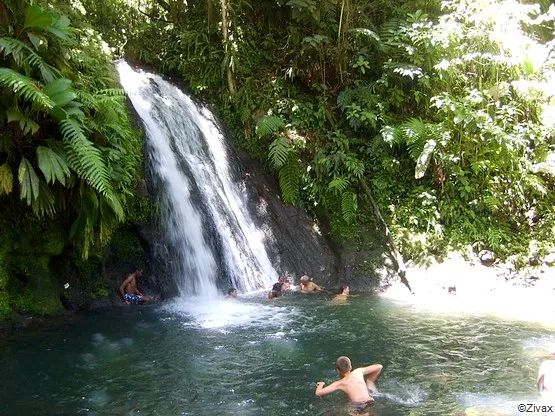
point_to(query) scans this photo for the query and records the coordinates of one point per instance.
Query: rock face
(296, 245)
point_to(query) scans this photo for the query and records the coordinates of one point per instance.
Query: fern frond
(345, 98)
(26, 87)
(85, 158)
(355, 166)
(6, 179)
(28, 181)
(116, 209)
(269, 125)
(22, 54)
(338, 185)
(86, 99)
(112, 92)
(279, 151)
(289, 180)
(348, 206)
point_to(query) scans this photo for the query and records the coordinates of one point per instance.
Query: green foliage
(66, 129)
(444, 107)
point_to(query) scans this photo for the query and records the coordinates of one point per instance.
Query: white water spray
(203, 212)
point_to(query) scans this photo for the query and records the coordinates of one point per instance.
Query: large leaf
(35, 16)
(53, 166)
(60, 91)
(6, 179)
(28, 181)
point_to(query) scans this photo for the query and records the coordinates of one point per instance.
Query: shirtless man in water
(352, 383)
(309, 286)
(129, 291)
(343, 296)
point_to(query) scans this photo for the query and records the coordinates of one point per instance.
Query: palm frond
(53, 166)
(25, 123)
(44, 203)
(28, 181)
(84, 157)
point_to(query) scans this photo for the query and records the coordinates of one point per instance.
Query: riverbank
(459, 285)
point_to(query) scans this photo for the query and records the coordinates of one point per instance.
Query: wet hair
(343, 364)
(277, 287)
(344, 287)
(273, 294)
(231, 290)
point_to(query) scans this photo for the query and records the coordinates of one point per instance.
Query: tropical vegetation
(434, 117)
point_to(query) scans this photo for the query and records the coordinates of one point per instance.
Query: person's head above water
(343, 365)
(304, 279)
(273, 294)
(232, 292)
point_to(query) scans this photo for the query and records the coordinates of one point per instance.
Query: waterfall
(203, 211)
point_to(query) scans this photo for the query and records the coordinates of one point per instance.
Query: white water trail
(202, 210)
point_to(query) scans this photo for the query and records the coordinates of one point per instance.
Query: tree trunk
(397, 256)
(227, 49)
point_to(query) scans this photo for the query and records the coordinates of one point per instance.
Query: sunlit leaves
(424, 159)
(268, 125)
(289, 180)
(279, 151)
(6, 179)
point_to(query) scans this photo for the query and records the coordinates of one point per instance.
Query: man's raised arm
(373, 371)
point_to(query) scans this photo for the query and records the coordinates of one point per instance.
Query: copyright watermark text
(535, 408)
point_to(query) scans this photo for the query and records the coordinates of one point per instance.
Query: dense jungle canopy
(440, 114)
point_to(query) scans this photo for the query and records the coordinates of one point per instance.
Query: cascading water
(203, 212)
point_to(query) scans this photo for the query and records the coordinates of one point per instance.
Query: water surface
(252, 356)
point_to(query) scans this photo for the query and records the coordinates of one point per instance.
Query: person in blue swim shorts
(129, 291)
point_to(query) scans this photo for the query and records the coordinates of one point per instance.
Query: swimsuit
(134, 299)
(359, 407)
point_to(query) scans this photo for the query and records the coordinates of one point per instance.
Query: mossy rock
(30, 286)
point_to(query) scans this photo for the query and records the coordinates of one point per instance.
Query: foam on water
(226, 313)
